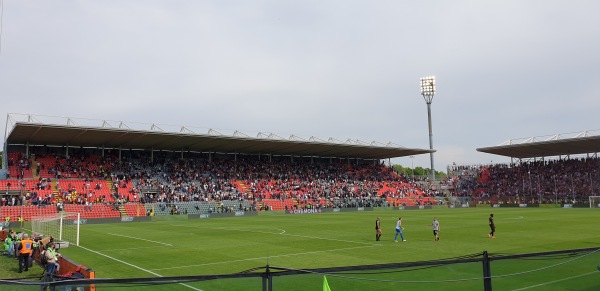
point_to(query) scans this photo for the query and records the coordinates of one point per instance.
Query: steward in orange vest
(25, 251)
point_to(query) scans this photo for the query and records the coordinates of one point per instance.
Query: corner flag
(325, 285)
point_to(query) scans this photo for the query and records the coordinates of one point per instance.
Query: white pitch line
(262, 258)
(282, 232)
(134, 266)
(555, 281)
(332, 239)
(128, 249)
(153, 241)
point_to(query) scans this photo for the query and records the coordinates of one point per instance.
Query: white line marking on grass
(282, 232)
(127, 249)
(555, 281)
(332, 239)
(157, 242)
(262, 258)
(134, 266)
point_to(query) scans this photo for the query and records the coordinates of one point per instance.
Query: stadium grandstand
(555, 169)
(113, 169)
(110, 171)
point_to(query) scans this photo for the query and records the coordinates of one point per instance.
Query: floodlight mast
(427, 91)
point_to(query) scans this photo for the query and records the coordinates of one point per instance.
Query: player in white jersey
(436, 228)
(399, 229)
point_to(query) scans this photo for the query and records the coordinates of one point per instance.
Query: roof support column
(27, 150)
(182, 154)
(152, 155)
(270, 158)
(67, 151)
(4, 165)
(102, 152)
(235, 157)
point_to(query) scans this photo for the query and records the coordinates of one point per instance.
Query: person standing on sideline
(492, 226)
(52, 266)
(436, 228)
(377, 229)
(25, 249)
(399, 229)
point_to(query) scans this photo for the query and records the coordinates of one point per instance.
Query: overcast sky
(343, 69)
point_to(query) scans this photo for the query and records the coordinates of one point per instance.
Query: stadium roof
(548, 146)
(107, 136)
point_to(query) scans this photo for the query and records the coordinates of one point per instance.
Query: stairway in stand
(123, 211)
(34, 168)
(54, 187)
(242, 187)
(259, 206)
(111, 186)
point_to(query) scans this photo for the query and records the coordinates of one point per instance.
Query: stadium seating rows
(220, 185)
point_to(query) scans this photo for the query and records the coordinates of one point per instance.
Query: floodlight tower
(427, 91)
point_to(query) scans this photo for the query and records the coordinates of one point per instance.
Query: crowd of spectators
(167, 178)
(241, 179)
(567, 181)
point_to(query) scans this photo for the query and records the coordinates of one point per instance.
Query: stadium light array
(428, 88)
(427, 91)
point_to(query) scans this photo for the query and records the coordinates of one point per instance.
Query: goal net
(594, 201)
(63, 227)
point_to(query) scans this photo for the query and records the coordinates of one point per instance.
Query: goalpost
(594, 201)
(63, 227)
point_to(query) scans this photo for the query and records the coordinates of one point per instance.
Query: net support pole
(78, 223)
(264, 279)
(60, 228)
(270, 279)
(487, 272)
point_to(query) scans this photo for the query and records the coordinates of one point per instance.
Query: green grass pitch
(176, 246)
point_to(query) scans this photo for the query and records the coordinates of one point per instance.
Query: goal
(594, 201)
(63, 227)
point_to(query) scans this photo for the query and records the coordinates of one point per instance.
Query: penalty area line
(136, 267)
(263, 258)
(152, 241)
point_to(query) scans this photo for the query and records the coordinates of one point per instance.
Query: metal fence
(480, 271)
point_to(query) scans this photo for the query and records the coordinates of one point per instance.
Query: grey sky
(342, 69)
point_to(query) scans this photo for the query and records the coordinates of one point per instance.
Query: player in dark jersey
(492, 226)
(377, 229)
